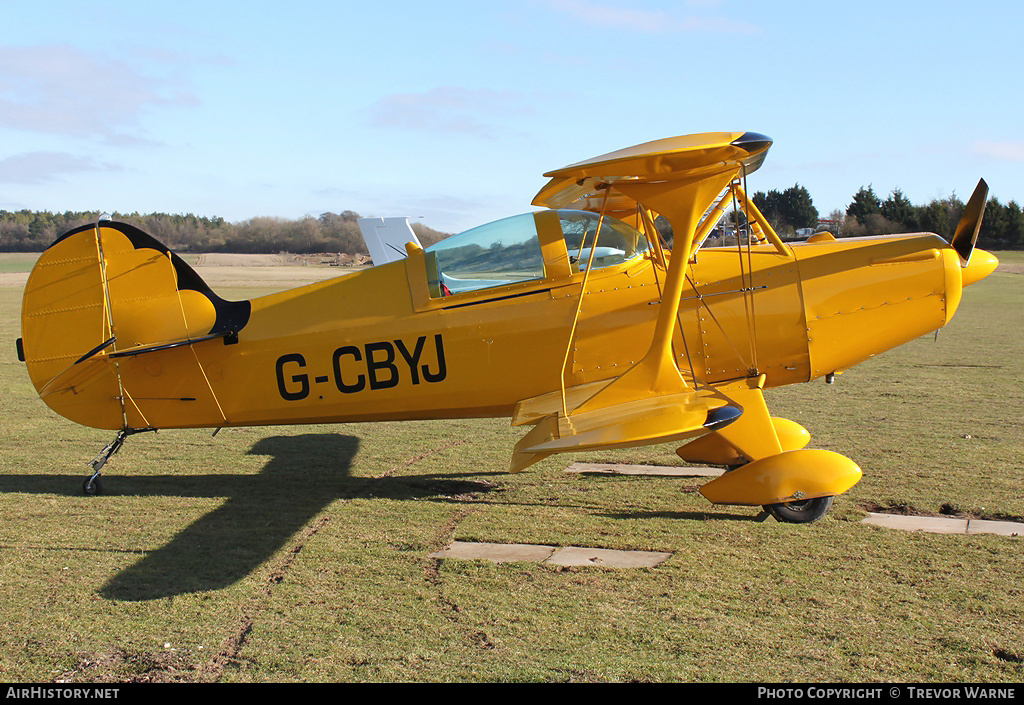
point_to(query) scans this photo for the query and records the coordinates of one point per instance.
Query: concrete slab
(553, 555)
(987, 526)
(606, 558)
(496, 552)
(945, 525)
(934, 525)
(653, 470)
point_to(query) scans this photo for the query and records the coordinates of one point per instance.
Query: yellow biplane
(575, 320)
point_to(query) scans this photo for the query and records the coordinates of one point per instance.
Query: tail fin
(385, 238)
(98, 302)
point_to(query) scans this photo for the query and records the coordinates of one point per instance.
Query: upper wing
(673, 159)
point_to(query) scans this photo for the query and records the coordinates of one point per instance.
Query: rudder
(101, 297)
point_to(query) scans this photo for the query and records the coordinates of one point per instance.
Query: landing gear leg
(93, 485)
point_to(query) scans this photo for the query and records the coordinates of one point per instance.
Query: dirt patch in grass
(226, 259)
(946, 509)
(121, 666)
(1005, 655)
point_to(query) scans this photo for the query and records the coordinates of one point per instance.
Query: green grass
(301, 553)
(1010, 256)
(17, 261)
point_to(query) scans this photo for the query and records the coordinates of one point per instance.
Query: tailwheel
(92, 486)
(802, 511)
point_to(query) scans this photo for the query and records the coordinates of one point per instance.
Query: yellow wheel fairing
(791, 476)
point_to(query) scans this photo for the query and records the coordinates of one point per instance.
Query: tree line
(868, 214)
(34, 231)
(789, 211)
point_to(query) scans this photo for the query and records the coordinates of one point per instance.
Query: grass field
(17, 261)
(301, 553)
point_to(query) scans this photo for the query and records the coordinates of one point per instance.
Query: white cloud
(1008, 151)
(650, 21)
(64, 90)
(447, 109)
(43, 167)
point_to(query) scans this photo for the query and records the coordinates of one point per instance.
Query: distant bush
(34, 231)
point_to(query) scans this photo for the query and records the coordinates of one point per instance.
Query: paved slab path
(581, 556)
(945, 525)
(551, 555)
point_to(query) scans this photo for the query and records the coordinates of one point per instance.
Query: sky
(449, 112)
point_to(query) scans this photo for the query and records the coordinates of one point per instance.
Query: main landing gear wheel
(802, 511)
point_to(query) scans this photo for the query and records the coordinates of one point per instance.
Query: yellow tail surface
(109, 322)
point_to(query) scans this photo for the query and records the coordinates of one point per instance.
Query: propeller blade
(966, 235)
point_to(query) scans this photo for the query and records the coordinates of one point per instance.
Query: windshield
(503, 252)
(508, 251)
(616, 243)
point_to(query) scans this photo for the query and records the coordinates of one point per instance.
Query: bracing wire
(109, 318)
(745, 285)
(750, 268)
(583, 289)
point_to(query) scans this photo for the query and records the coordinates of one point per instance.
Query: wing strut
(651, 402)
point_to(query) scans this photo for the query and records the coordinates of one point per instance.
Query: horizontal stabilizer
(157, 347)
(85, 367)
(79, 377)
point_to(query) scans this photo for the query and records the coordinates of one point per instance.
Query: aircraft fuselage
(336, 352)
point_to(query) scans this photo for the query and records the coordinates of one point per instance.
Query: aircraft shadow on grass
(261, 513)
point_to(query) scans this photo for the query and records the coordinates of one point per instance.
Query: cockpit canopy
(509, 250)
